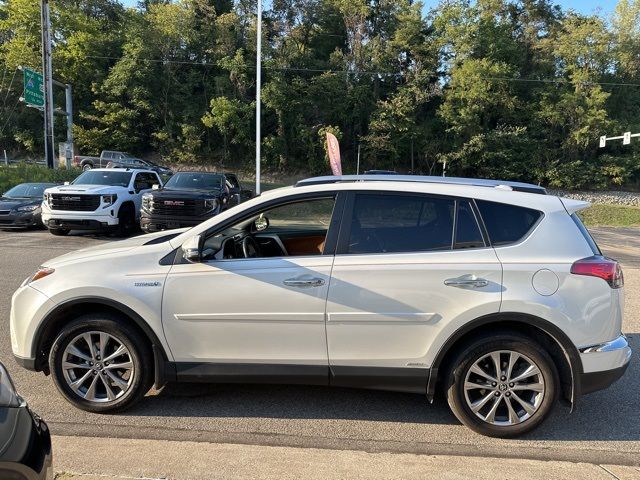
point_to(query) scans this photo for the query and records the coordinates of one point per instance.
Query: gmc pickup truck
(189, 198)
(101, 199)
(107, 156)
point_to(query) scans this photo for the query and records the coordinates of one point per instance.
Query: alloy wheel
(504, 388)
(98, 367)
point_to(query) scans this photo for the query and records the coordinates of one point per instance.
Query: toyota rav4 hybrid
(491, 292)
(99, 199)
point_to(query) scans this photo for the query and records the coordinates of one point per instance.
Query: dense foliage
(22, 173)
(518, 89)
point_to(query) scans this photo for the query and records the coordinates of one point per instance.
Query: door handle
(466, 281)
(304, 282)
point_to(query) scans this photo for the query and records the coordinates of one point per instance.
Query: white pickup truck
(99, 199)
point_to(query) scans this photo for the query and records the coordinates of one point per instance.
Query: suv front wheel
(101, 364)
(502, 386)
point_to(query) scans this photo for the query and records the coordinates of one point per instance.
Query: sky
(602, 7)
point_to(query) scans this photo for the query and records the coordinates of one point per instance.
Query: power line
(373, 73)
(10, 114)
(24, 45)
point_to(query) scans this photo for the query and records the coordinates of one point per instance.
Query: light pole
(48, 83)
(258, 88)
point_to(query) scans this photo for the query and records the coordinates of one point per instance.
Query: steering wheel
(250, 248)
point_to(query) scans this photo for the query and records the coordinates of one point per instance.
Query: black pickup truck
(189, 198)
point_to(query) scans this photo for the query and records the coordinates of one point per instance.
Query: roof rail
(472, 182)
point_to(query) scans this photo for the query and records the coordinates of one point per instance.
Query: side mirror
(67, 183)
(156, 186)
(261, 223)
(191, 249)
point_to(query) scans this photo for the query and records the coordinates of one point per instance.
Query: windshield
(194, 181)
(95, 177)
(27, 190)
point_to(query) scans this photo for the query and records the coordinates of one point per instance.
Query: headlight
(47, 198)
(8, 395)
(28, 208)
(146, 201)
(109, 200)
(41, 273)
(210, 204)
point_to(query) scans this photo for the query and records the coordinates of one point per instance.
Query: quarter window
(507, 223)
(468, 233)
(383, 223)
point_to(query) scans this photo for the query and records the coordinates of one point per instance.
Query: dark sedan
(25, 442)
(20, 206)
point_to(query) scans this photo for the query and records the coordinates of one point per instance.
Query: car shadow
(290, 402)
(607, 415)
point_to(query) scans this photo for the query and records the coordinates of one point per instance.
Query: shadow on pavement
(607, 415)
(291, 402)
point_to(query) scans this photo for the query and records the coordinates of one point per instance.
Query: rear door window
(507, 223)
(390, 223)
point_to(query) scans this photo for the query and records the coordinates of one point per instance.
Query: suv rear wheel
(502, 386)
(59, 232)
(101, 364)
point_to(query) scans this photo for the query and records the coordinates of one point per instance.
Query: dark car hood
(11, 203)
(185, 194)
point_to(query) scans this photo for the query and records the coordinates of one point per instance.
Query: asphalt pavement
(605, 428)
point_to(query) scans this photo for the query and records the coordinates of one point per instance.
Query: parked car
(25, 441)
(491, 292)
(99, 199)
(20, 207)
(189, 198)
(381, 172)
(106, 156)
(139, 163)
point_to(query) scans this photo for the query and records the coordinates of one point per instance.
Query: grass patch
(611, 216)
(10, 176)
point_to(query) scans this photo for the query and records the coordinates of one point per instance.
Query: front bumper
(96, 220)
(20, 220)
(603, 364)
(156, 223)
(77, 224)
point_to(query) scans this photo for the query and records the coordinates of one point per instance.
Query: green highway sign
(33, 88)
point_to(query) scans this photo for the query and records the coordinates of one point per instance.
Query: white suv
(492, 292)
(99, 199)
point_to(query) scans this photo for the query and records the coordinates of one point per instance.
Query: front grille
(74, 202)
(177, 207)
(5, 212)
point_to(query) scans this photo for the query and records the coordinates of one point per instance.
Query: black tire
(473, 353)
(140, 354)
(86, 167)
(126, 220)
(59, 232)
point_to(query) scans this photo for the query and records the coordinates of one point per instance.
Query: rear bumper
(603, 364)
(594, 381)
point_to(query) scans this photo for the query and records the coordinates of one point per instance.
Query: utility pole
(625, 137)
(48, 83)
(258, 88)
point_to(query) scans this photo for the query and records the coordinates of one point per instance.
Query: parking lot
(604, 429)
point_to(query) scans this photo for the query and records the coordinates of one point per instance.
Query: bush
(13, 175)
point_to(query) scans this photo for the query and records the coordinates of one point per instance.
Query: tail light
(597, 266)
(76, 160)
